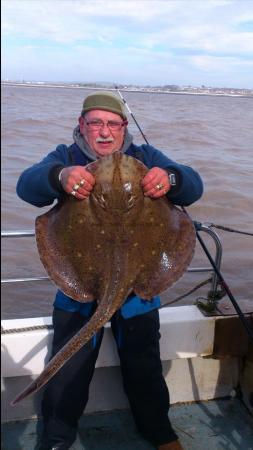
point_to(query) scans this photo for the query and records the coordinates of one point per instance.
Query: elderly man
(102, 130)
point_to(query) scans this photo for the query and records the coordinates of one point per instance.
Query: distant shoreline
(137, 89)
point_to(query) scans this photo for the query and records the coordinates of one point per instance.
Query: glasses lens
(113, 125)
(95, 124)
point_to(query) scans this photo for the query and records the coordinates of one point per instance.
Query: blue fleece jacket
(38, 186)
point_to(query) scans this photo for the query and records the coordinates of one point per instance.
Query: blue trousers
(66, 394)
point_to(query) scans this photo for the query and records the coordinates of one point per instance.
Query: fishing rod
(197, 227)
(129, 110)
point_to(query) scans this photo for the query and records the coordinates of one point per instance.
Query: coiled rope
(24, 329)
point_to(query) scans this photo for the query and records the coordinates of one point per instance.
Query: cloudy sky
(145, 42)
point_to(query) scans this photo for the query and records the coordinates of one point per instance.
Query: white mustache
(100, 139)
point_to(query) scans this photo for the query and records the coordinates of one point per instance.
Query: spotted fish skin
(115, 242)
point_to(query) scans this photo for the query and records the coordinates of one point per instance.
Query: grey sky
(141, 42)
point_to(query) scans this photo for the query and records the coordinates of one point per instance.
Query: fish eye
(130, 200)
(101, 199)
(128, 186)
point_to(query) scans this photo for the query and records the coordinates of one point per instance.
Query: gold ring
(76, 187)
(73, 193)
(159, 186)
(82, 182)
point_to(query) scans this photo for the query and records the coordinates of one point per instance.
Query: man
(102, 130)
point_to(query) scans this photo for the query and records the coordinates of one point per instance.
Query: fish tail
(102, 315)
(29, 390)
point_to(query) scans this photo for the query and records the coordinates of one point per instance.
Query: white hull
(187, 344)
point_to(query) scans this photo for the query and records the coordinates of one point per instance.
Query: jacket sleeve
(35, 184)
(189, 186)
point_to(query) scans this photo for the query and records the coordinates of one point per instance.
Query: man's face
(103, 140)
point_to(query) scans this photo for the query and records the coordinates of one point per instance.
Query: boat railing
(201, 227)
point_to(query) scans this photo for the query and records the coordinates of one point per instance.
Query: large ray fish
(115, 242)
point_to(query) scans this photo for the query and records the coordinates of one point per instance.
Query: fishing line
(212, 262)
(231, 230)
(129, 110)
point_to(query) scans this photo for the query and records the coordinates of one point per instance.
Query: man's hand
(156, 183)
(77, 181)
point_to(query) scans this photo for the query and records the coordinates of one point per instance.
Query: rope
(21, 330)
(203, 283)
(221, 227)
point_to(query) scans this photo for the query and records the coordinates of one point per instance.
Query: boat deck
(223, 424)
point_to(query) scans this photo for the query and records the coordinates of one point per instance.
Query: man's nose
(104, 130)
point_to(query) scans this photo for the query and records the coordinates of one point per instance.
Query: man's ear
(81, 124)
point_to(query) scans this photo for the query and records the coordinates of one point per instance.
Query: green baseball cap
(106, 101)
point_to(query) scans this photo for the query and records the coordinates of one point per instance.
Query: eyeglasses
(113, 125)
